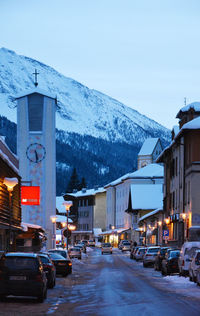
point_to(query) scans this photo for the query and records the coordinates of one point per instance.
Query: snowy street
(112, 285)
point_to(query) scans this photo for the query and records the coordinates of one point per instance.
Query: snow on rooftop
(149, 171)
(36, 90)
(87, 192)
(146, 196)
(148, 146)
(152, 170)
(193, 105)
(150, 214)
(194, 124)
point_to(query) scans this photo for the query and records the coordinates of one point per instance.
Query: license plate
(17, 278)
(61, 264)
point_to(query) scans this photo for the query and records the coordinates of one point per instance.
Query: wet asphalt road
(108, 285)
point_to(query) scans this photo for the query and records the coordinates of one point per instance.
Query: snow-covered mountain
(98, 135)
(80, 109)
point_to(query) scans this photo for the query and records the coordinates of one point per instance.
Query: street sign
(166, 234)
(67, 233)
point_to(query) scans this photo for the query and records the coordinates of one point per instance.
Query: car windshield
(106, 245)
(75, 249)
(153, 250)
(142, 250)
(126, 243)
(191, 251)
(44, 259)
(21, 263)
(174, 254)
(163, 251)
(54, 255)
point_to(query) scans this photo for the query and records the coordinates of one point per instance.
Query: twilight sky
(144, 53)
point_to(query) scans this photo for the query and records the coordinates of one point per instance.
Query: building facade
(89, 208)
(182, 176)
(10, 203)
(149, 152)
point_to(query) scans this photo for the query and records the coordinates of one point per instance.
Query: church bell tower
(37, 153)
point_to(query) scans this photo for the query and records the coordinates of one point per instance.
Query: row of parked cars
(168, 260)
(30, 274)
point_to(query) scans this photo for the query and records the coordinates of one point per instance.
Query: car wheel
(155, 268)
(190, 277)
(144, 265)
(111, 253)
(51, 284)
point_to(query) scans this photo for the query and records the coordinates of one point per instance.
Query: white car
(194, 266)
(187, 253)
(126, 246)
(106, 248)
(150, 255)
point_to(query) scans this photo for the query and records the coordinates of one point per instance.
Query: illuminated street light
(10, 183)
(67, 205)
(53, 220)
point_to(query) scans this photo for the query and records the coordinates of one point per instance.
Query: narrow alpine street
(112, 285)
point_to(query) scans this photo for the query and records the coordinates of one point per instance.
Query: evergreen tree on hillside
(82, 184)
(73, 182)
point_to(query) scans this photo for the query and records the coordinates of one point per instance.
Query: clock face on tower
(36, 152)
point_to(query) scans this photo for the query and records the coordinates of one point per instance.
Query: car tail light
(183, 263)
(147, 255)
(70, 264)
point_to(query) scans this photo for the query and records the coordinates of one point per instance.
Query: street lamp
(67, 205)
(10, 184)
(53, 220)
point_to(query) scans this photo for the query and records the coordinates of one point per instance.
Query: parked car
(170, 262)
(150, 255)
(63, 266)
(85, 242)
(140, 253)
(133, 251)
(194, 266)
(63, 253)
(187, 253)
(160, 256)
(91, 243)
(22, 274)
(75, 252)
(50, 270)
(121, 243)
(82, 247)
(106, 248)
(126, 246)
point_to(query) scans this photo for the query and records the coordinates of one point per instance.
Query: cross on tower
(36, 73)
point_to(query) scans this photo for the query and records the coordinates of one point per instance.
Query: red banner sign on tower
(30, 195)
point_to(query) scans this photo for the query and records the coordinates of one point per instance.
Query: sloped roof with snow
(87, 192)
(36, 90)
(148, 146)
(193, 124)
(186, 108)
(152, 170)
(150, 214)
(146, 196)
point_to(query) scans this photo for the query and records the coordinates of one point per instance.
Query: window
(35, 112)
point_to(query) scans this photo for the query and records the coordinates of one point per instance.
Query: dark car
(160, 256)
(22, 274)
(170, 262)
(50, 270)
(63, 266)
(64, 253)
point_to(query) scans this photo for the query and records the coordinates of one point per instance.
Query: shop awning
(115, 231)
